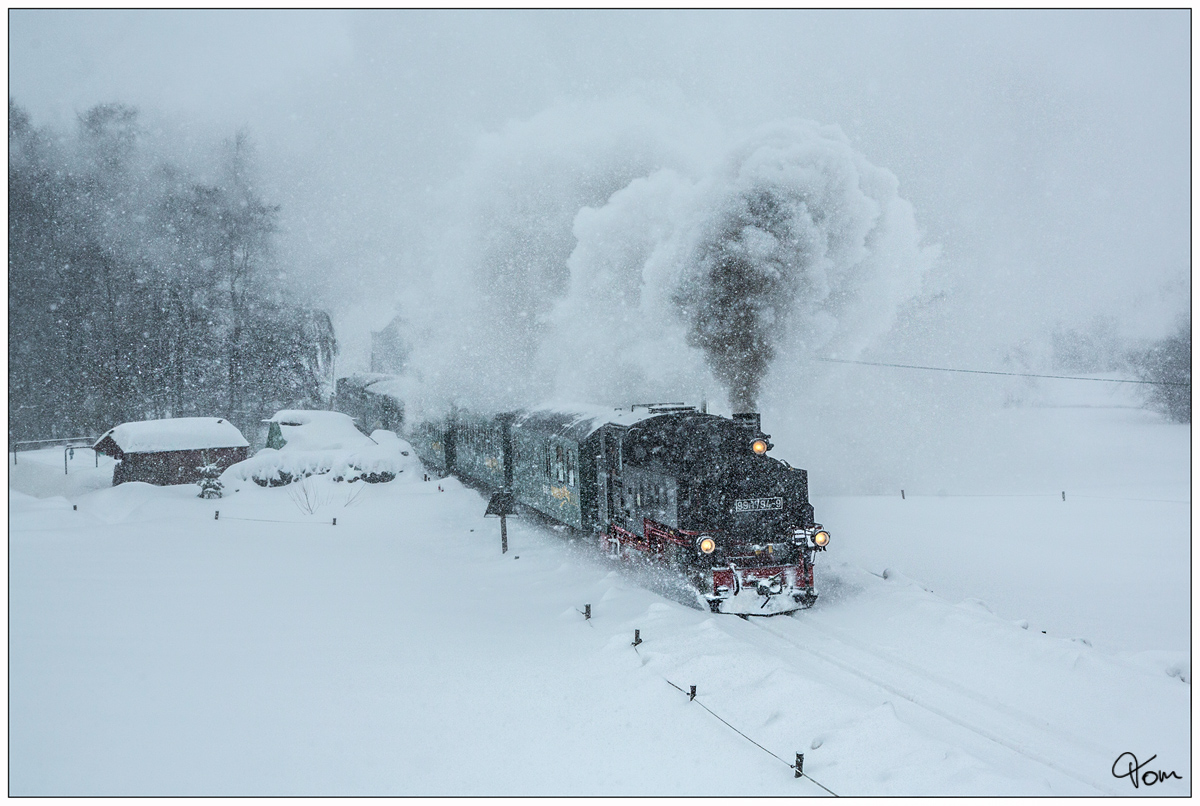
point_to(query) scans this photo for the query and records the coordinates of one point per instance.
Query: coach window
(570, 467)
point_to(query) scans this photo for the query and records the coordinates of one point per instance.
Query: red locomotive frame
(791, 582)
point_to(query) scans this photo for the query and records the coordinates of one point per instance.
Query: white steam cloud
(790, 243)
(618, 252)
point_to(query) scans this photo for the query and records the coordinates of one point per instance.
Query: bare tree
(136, 291)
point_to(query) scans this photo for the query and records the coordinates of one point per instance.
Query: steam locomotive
(694, 491)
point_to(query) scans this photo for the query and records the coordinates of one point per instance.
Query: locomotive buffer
(501, 504)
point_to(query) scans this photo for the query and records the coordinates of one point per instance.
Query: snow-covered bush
(275, 468)
(381, 461)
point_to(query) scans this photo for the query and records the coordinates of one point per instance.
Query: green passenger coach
(482, 451)
(554, 473)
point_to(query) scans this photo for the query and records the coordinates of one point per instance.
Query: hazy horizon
(500, 177)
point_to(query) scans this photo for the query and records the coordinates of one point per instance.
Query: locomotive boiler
(700, 493)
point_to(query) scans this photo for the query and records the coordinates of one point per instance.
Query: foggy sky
(1046, 154)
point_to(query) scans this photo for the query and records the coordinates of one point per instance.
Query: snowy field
(1016, 645)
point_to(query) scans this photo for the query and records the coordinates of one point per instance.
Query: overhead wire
(1017, 375)
(995, 372)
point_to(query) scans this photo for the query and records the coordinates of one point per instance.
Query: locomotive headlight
(759, 446)
(708, 545)
(821, 539)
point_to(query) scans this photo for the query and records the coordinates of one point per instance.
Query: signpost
(502, 505)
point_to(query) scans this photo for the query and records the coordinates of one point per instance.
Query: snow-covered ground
(44, 474)
(1074, 518)
(156, 649)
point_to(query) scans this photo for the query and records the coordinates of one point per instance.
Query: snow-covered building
(171, 451)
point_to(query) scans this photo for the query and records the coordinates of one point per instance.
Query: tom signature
(1133, 771)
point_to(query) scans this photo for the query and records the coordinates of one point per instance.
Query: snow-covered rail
(929, 693)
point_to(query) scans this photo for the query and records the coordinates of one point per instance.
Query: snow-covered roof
(309, 430)
(577, 421)
(176, 434)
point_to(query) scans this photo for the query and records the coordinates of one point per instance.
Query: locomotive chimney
(750, 420)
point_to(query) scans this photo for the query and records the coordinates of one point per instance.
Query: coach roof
(576, 422)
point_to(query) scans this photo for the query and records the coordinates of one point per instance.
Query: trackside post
(501, 504)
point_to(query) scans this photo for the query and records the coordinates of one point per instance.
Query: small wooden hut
(171, 451)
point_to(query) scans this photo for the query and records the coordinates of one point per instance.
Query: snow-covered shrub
(384, 457)
(276, 468)
(210, 481)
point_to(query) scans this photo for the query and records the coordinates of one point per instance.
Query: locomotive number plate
(757, 504)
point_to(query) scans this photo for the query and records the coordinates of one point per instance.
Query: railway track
(932, 703)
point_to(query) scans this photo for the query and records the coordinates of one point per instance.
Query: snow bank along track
(693, 697)
(923, 694)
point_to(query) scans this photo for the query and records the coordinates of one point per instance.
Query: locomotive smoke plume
(745, 282)
(772, 248)
(802, 232)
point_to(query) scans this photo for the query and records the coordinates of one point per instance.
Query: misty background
(544, 196)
